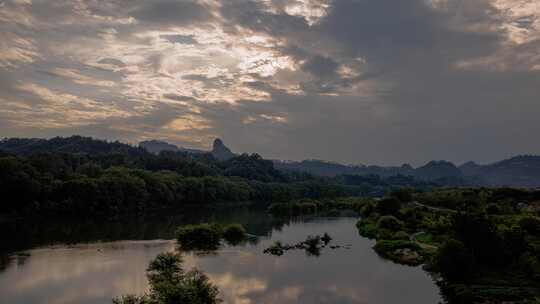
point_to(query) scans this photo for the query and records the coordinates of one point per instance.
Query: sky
(353, 81)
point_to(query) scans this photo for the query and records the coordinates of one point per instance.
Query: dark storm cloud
(255, 16)
(183, 39)
(320, 65)
(169, 12)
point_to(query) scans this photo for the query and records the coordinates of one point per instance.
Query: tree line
(81, 175)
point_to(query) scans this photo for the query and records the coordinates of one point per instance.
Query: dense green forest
(84, 176)
(483, 244)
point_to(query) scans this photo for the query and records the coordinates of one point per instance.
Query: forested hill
(81, 176)
(518, 171)
(73, 144)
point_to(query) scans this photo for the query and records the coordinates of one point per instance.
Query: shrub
(234, 233)
(530, 224)
(312, 245)
(384, 234)
(404, 195)
(413, 216)
(367, 229)
(389, 222)
(401, 235)
(493, 209)
(367, 209)
(454, 261)
(530, 265)
(400, 251)
(202, 236)
(388, 206)
(326, 238)
(384, 246)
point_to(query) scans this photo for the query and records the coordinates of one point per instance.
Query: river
(93, 262)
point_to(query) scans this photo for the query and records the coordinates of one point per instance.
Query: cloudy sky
(355, 81)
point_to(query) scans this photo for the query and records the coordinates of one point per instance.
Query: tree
(530, 224)
(480, 235)
(454, 261)
(169, 284)
(388, 206)
(403, 195)
(389, 222)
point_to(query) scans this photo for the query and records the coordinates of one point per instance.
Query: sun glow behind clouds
(311, 10)
(216, 67)
(522, 19)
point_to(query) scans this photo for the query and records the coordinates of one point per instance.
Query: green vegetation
(77, 175)
(400, 251)
(202, 236)
(234, 234)
(169, 283)
(209, 236)
(312, 245)
(483, 243)
(313, 206)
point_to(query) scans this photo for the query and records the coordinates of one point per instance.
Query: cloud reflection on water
(95, 273)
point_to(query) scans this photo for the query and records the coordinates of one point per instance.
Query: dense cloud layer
(363, 81)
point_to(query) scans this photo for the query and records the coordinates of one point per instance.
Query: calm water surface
(95, 272)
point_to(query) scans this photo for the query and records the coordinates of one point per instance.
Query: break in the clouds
(362, 81)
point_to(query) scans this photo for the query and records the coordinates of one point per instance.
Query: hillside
(518, 171)
(73, 144)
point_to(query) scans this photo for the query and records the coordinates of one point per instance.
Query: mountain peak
(218, 143)
(220, 151)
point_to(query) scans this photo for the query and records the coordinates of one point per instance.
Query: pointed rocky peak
(220, 151)
(218, 144)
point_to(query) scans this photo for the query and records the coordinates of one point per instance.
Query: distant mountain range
(519, 171)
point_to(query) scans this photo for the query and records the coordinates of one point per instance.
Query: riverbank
(480, 244)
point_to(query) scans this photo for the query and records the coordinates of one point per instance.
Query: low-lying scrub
(202, 236)
(209, 236)
(234, 234)
(400, 251)
(312, 245)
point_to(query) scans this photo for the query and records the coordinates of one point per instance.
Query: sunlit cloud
(15, 50)
(188, 122)
(76, 77)
(57, 109)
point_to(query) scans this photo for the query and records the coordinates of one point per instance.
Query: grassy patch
(400, 251)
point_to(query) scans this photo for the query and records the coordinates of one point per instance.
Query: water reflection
(94, 273)
(336, 276)
(18, 236)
